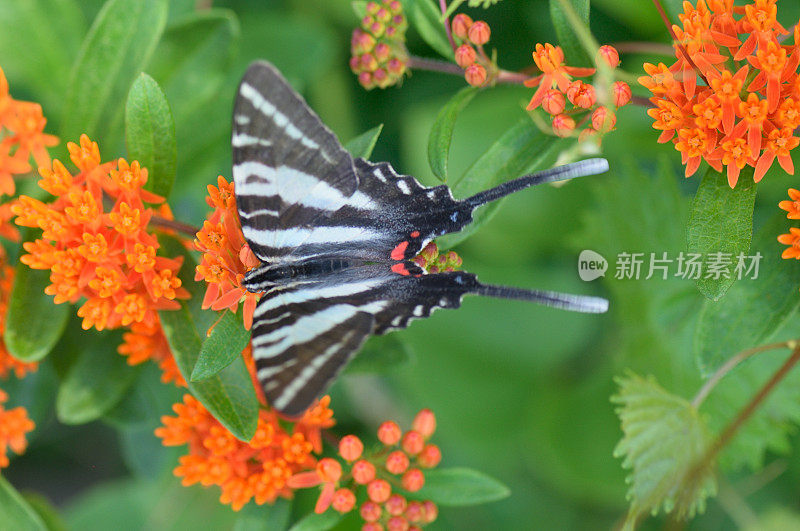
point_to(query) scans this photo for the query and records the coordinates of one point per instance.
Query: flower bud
(603, 120)
(430, 510)
(343, 501)
(479, 33)
(395, 7)
(389, 433)
(461, 24)
(370, 511)
(383, 15)
(372, 8)
(413, 442)
(563, 125)
(397, 523)
(395, 505)
(363, 472)
(413, 480)
(355, 64)
(396, 66)
(415, 512)
(391, 32)
(379, 490)
(382, 52)
(465, 55)
(350, 447)
(609, 55)
(581, 94)
(553, 102)
(377, 28)
(397, 462)
(430, 456)
(588, 134)
(368, 62)
(365, 80)
(621, 92)
(399, 22)
(381, 78)
(362, 42)
(372, 526)
(475, 75)
(329, 470)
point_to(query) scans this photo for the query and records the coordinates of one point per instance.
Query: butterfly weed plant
(177, 308)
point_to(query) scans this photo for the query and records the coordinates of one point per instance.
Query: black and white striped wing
(305, 332)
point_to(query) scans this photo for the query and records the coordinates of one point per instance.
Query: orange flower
(793, 206)
(226, 256)
(793, 240)
(147, 342)
(14, 424)
(755, 108)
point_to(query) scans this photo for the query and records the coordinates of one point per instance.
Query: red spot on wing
(399, 252)
(400, 269)
(415, 234)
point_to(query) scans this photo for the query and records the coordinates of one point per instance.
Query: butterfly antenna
(562, 301)
(560, 173)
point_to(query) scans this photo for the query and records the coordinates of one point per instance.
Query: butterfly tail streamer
(553, 299)
(560, 173)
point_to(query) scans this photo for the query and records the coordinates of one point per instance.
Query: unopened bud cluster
(565, 98)
(378, 53)
(431, 261)
(470, 34)
(376, 477)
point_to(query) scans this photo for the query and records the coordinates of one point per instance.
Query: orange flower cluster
(226, 256)
(431, 261)
(21, 135)
(378, 51)
(747, 108)
(259, 469)
(398, 463)
(474, 63)
(14, 424)
(792, 239)
(556, 88)
(108, 258)
(147, 342)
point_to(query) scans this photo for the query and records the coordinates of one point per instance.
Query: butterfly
(336, 236)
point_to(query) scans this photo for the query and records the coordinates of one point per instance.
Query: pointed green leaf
(727, 326)
(521, 150)
(461, 486)
(229, 394)
(720, 221)
(119, 44)
(664, 440)
(425, 17)
(317, 522)
(380, 354)
(442, 131)
(49, 515)
(568, 39)
(16, 513)
(226, 342)
(363, 144)
(264, 517)
(97, 380)
(33, 322)
(150, 134)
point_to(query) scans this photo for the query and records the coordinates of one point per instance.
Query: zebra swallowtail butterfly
(336, 236)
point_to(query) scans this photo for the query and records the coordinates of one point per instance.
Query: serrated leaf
(720, 221)
(568, 39)
(118, 45)
(318, 522)
(461, 486)
(522, 149)
(28, 335)
(226, 342)
(728, 325)
(442, 131)
(229, 394)
(97, 380)
(425, 17)
(664, 440)
(380, 354)
(363, 144)
(16, 512)
(150, 134)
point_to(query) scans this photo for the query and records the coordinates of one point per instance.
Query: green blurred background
(520, 392)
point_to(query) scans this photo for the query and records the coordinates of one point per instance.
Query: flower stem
(171, 224)
(445, 67)
(443, 7)
(678, 43)
(644, 47)
(729, 365)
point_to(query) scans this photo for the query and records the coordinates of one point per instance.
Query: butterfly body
(336, 235)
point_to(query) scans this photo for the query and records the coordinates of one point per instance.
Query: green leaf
(380, 354)
(97, 380)
(16, 512)
(119, 44)
(425, 17)
(29, 336)
(49, 515)
(664, 440)
(229, 394)
(318, 522)
(461, 486)
(363, 144)
(568, 39)
(442, 131)
(720, 221)
(522, 149)
(150, 134)
(264, 517)
(359, 8)
(728, 325)
(227, 340)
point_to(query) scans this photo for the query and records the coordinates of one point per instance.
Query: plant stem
(445, 67)
(644, 47)
(443, 7)
(733, 362)
(158, 221)
(678, 43)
